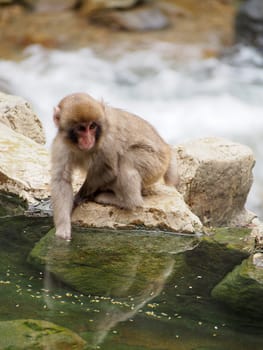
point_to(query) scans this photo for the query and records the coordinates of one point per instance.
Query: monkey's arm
(61, 191)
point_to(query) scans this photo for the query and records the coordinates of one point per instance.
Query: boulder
(23, 165)
(89, 6)
(106, 262)
(36, 334)
(164, 209)
(249, 23)
(17, 113)
(242, 289)
(11, 205)
(50, 5)
(6, 2)
(215, 179)
(141, 18)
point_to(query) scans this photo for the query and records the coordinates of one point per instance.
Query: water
(132, 290)
(183, 100)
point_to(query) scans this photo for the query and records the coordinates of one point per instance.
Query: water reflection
(121, 272)
(110, 311)
(122, 290)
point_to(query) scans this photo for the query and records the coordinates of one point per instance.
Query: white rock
(17, 113)
(165, 210)
(215, 179)
(24, 165)
(91, 5)
(51, 5)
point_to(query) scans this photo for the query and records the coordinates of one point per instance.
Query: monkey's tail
(171, 177)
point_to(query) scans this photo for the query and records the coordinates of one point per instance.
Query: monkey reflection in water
(121, 154)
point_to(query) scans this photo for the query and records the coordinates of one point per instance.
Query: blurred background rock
(78, 23)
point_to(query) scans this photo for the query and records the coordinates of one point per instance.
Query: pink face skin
(86, 134)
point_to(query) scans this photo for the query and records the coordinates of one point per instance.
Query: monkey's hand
(64, 232)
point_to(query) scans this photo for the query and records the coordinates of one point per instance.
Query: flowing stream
(183, 100)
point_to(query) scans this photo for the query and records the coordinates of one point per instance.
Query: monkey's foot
(110, 199)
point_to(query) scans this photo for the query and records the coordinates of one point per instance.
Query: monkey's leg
(84, 194)
(126, 191)
(79, 199)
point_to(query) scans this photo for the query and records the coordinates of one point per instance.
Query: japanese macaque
(121, 153)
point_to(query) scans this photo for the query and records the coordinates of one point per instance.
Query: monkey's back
(141, 145)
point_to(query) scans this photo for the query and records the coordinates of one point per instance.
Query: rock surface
(215, 179)
(17, 113)
(34, 334)
(23, 165)
(50, 5)
(142, 18)
(136, 263)
(163, 210)
(91, 5)
(209, 27)
(242, 289)
(103, 262)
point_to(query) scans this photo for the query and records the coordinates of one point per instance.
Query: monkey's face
(79, 118)
(84, 135)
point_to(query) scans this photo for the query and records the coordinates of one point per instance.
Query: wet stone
(242, 289)
(142, 18)
(11, 205)
(36, 334)
(107, 259)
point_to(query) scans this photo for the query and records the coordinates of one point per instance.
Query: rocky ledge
(215, 179)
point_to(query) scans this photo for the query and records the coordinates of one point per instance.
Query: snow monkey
(121, 154)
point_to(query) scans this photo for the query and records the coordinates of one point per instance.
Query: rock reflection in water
(122, 271)
(123, 290)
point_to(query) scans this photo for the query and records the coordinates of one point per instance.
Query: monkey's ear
(56, 116)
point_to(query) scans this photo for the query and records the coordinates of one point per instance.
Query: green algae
(11, 205)
(37, 335)
(102, 262)
(237, 238)
(242, 289)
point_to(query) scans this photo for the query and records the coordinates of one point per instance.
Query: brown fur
(128, 157)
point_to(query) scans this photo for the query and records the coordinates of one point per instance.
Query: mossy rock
(11, 204)
(37, 335)
(235, 238)
(109, 263)
(121, 263)
(242, 289)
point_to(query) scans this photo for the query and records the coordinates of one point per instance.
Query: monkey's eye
(93, 125)
(81, 128)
